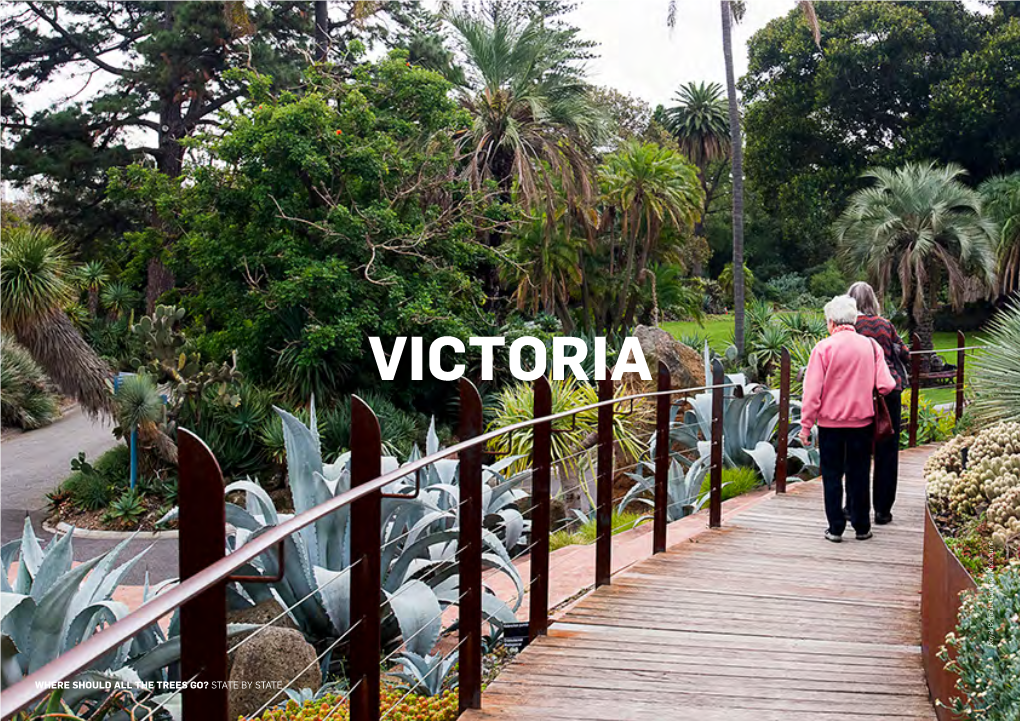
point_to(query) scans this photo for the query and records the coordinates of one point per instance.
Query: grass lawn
(718, 330)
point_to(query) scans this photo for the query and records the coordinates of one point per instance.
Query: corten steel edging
(783, 429)
(961, 363)
(470, 549)
(202, 543)
(915, 390)
(943, 579)
(661, 462)
(541, 474)
(715, 475)
(604, 487)
(366, 637)
(33, 686)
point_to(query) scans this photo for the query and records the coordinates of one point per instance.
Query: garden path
(762, 619)
(32, 464)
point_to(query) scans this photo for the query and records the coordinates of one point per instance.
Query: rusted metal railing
(206, 569)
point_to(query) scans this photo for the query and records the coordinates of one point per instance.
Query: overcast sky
(641, 56)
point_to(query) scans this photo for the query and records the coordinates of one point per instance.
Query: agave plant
(419, 543)
(426, 675)
(683, 486)
(53, 606)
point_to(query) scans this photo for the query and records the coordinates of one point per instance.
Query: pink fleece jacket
(842, 374)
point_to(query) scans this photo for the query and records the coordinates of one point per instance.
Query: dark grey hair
(867, 301)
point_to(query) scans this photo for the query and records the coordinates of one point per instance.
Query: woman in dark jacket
(871, 324)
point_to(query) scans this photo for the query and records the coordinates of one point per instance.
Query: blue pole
(134, 457)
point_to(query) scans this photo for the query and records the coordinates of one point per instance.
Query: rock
(272, 659)
(686, 365)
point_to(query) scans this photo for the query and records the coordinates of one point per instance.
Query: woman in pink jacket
(844, 371)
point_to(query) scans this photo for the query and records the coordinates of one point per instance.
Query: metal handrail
(31, 687)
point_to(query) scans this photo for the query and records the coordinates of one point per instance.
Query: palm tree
(531, 110)
(546, 271)
(649, 187)
(35, 285)
(733, 10)
(921, 223)
(1002, 203)
(700, 123)
(92, 278)
(701, 126)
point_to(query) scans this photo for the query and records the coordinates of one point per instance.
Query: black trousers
(846, 454)
(887, 460)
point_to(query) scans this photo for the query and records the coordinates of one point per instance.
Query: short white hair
(841, 310)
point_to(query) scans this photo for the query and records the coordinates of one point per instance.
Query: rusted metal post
(604, 488)
(715, 476)
(541, 465)
(961, 362)
(366, 638)
(783, 429)
(915, 389)
(661, 461)
(470, 549)
(202, 531)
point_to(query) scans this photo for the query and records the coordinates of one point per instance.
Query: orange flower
(339, 132)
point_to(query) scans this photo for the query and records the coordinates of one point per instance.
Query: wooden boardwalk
(762, 620)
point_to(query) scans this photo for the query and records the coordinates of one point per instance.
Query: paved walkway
(33, 463)
(761, 620)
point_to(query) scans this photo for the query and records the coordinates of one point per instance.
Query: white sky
(640, 56)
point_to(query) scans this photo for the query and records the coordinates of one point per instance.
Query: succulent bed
(973, 484)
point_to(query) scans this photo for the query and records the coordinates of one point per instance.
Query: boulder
(259, 614)
(267, 663)
(686, 365)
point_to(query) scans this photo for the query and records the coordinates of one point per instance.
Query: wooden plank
(762, 620)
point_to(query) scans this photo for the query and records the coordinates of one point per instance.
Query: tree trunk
(94, 301)
(69, 361)
(737, 157)
(160, 280)
(321, 30)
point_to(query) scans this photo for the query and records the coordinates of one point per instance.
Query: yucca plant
(119, 298)
(766, 346)
(27, 399)
(427, 675)
(34, 289)
(995, 382)
(140, 408)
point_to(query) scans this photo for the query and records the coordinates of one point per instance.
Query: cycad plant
(35, 286)
(995, 382)
(1002, 203)
(920, 225)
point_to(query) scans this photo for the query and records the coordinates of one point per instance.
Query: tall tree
(921, 227)
(167, 71)
(699, 122)
(734, 11)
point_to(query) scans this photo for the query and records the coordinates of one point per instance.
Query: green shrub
(987, 649)
(88, 491)
(933, 426)
(735, 482)
(827, 281)
(27, 399)
(115, 464)
(785, 289)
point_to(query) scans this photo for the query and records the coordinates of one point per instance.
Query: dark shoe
(864, 536)
(835, 538)
(883, 518)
